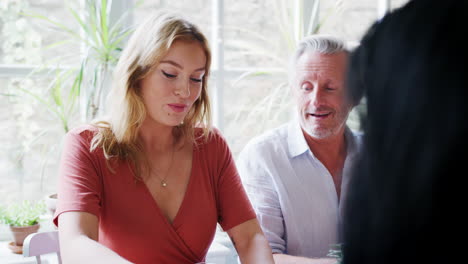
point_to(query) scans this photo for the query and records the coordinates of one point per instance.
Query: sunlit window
(42, 49)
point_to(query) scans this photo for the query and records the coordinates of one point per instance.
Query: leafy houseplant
(101, 43)
(23, 219)
(76, 91)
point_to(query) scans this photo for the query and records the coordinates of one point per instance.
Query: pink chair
(38, 244)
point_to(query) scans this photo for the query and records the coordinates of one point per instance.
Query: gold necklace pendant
(163, 183)
(155, 173)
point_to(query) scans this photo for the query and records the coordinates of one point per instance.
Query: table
(217, 253)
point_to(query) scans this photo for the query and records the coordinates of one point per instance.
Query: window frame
(217, 41)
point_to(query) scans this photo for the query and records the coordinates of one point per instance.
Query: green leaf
(25, 213)
(102, 44)
(57, 93)
(105, 10)
(54, 23)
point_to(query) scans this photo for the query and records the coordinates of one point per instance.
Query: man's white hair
(322, 44)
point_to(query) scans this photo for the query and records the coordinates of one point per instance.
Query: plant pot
(14, 248)
(51, 201)
(21, 232)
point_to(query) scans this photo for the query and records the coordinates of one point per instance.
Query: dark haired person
(405, 200)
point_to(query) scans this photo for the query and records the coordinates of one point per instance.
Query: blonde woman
(150, 183)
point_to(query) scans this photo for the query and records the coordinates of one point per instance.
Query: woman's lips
(178, 108)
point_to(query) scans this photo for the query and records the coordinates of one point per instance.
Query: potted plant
(23, 219)
(76, 94)
(101, 40)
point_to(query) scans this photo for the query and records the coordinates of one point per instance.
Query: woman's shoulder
(208, 137)
(84, 128)
(86, 132)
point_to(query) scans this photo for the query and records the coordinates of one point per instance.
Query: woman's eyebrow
(173, 63)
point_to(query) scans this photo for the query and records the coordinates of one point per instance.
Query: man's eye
(306, 87)
(170, 76)
(196, 80)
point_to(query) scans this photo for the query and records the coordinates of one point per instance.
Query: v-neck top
(130, 221)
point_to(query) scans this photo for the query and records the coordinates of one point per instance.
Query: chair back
(38, 244)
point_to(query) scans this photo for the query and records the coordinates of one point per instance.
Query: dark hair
(410, 68)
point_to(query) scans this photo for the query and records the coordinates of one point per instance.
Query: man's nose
(317, 96)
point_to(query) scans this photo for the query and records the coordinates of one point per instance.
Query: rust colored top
(130, 221)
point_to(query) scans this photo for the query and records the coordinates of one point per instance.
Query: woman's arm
(78, 233)
(250, 243)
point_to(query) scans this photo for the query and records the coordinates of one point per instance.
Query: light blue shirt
(292, 191)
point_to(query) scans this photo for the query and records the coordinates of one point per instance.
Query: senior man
(297, 174)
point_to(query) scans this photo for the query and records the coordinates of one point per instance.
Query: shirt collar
(296, 141)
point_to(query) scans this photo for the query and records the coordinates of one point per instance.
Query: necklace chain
(163, 180)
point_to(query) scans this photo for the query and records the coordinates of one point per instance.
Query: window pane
(254, 105)
(257, 38)
(31, 136)
(26, 40)
(260, 33)
(31, 133)
(197, 11)
(398, 3)
(347, 19)
(252, 36)
(351, 19)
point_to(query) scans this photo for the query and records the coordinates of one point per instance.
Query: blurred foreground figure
(405, 197)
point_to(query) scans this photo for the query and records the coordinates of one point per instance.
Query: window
(248, 87)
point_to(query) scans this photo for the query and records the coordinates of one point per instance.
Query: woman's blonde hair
(118, 135)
